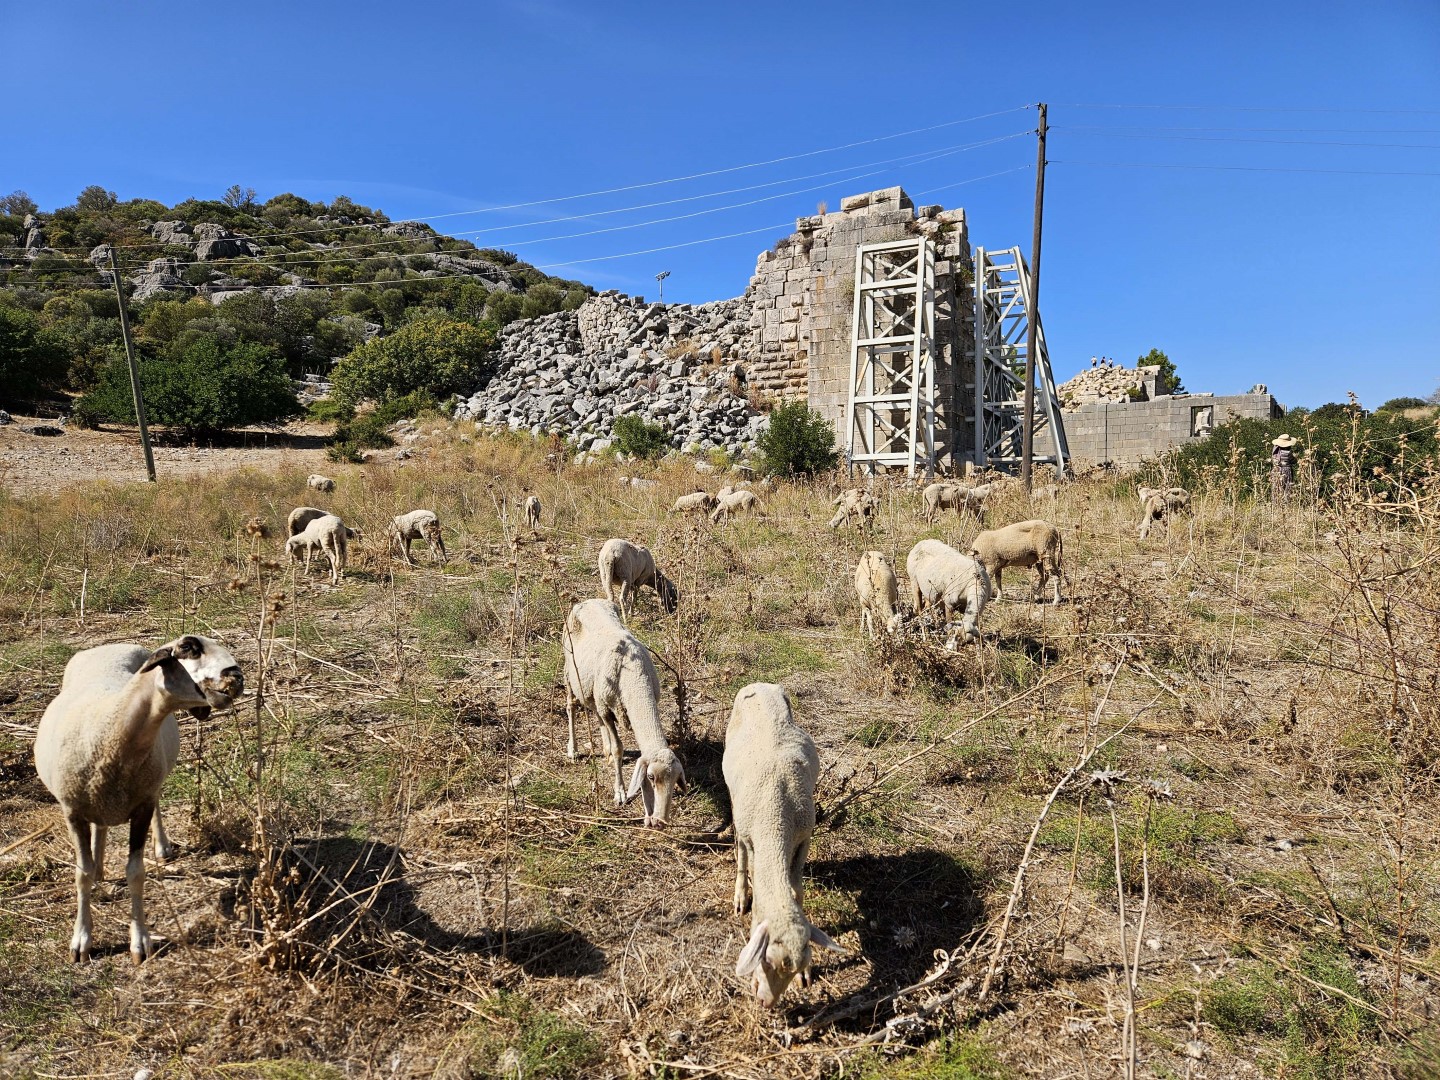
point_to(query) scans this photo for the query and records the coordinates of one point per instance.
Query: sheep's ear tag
(637, 779)
(754, 949)
(158, 657)
(824, 940)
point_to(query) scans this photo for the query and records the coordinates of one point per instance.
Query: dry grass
(389, 868)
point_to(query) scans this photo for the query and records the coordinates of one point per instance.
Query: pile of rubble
(1108, 382)
(574, 372)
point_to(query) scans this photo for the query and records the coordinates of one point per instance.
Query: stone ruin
(706, 372)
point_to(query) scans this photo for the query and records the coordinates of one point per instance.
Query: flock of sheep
(110, 737)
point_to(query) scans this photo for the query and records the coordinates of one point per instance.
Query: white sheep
(879, 593)
(328, 535)
(1156, 504)
(320, 483)
(854, 506)
(697, 502)
(942, 496)
(1034, 543)
(405, 529)
(770, 767)
(531, 509)
(105, 745)
(737, 502)
(608, 670)
(629, 567)
(941, 575)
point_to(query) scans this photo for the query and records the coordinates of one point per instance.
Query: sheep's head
(771, 963)
(668, 593)
(198, 672)
(894, 624)
(656, 778)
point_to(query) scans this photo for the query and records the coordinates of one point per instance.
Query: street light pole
(660, 277)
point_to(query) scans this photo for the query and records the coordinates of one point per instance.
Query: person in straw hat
(1282, 466)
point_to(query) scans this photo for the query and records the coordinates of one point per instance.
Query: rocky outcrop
(574, 372)
(172, 232)
(1110, 383)
(159, 275)
(34, 236)
(217, 242)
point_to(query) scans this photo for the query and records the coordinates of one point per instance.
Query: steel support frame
(890, 401)
(1003, 308)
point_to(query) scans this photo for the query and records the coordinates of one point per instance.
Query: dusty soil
(31, 464)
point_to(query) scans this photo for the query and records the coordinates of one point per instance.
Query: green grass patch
(531, 1042)
(595, 852)
(957, 1056)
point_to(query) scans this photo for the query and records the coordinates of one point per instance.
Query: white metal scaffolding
(1003, 309)
(890, 403)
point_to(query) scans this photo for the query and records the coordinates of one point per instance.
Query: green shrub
(329, 410)
(635, 437)
(206, 387)
(436, 355)
(1399, 403)
(799, 441)
(32, 360)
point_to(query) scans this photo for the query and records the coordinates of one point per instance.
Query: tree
(1399, 403)
(635, 437)
(1169, 381)
(208, 387)
(32, 360)
(96, 200)
(798, 441)
(437, 355)
(18, 204)
(238, 198)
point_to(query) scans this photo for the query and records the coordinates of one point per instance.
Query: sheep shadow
(909, 905)
(341, 898)
(1036, 650)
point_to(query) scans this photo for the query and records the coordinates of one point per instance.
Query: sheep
(854, 505)
(328, 535)
(630, 566)
(942, 496)
(302, 516)
(1157, 504)
(531, 508)
(105, 745)
(1034, 543)
(416, 525)
(608, 670)
(770, 767)
(941, 575)
(737, 502)
(701, 502)
(879, 593)
(316, 482)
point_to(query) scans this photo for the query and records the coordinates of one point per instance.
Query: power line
(1228, 139)
(1253, 108)
(1237, 168)
(1290, 130)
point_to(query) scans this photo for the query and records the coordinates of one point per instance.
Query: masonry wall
(1127, 433)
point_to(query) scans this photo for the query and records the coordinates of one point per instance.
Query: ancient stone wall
(1127, 433)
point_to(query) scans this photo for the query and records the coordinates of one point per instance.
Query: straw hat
(1285, 441)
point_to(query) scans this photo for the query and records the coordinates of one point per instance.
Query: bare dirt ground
(389, 869)
(35, 464)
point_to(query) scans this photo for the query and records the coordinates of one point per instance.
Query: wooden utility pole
(1027, 445)
(134, 370)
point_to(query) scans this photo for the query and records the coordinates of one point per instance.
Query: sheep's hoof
(805, 979)
(79, 956)
(168, 851)
(141, 947)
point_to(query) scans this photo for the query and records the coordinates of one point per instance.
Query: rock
(5, 418)
(159, 275)
(171, 232)
(217, 242)
(43, 429)
(100, 255)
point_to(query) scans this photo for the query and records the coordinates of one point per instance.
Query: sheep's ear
(159, 656)
(637, 779)
(824, 940)
(200, 712)
(754, 951)
(681, 784)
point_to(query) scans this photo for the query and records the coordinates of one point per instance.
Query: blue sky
(1270, 254)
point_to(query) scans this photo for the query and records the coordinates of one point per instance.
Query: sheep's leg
(625, 602)
(998, 575)
(1055, 573)
(98, 833)
(797, 870)
(742, 876)
(570, 719)
(84, 882)
(164, 849)
(867, 624)
(610, 736)
(141, 944)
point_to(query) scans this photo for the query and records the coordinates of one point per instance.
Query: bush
(1399, 403)
(635, 437)
(438, 356)
(32, 360)
(799, 441)
(207, 387)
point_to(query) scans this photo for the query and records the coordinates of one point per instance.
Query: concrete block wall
(1127, 433)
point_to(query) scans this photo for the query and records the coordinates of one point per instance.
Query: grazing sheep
(328, 535)
(1157, 504)
(1026, 543)
(879, 593)
(105, 745)
(416, 525)
(609, 671)
(302, 516)
(697, 502)
(942, 496)
(941, 575)
(532, 512)
(855, 506)
(631, 566)
(737, 502)
(771, 766)
(320, 483)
